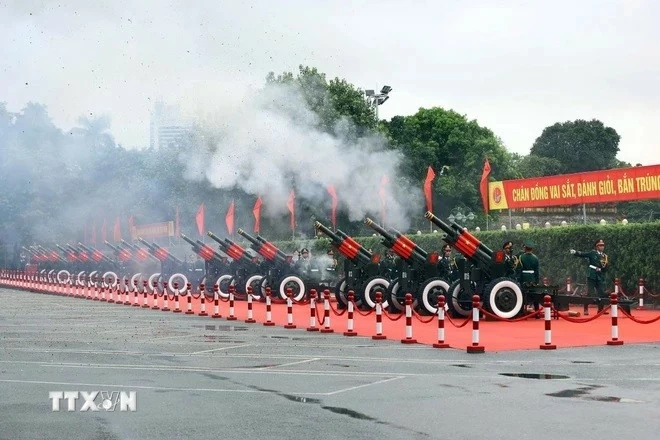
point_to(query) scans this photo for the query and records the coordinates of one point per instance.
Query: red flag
(117, 231)
(104, 230)
(177, 223)
(430, 175)
(291, 204)
(333, 211)
(483, 186)
(92, 239)
(383, 194)
(229, 218)
(257, 215)
(200, 219)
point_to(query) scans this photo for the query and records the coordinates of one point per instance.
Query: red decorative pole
(289, 309)
(615, 321)
(269, 314)
(250, 317)
(409, 330)
(326, 312)
(379, 317)
(216, 304)
(475, 347)
(312, 311)
(547, 308)
(441, 323)
(349, 323)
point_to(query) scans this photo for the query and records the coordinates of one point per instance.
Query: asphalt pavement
(195, 377)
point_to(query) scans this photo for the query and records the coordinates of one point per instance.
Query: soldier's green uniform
(528, 265)
(598, 265)
(510, 260)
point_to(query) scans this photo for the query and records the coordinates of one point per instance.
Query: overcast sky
(516, 67)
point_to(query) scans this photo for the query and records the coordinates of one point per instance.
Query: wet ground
(197, 377)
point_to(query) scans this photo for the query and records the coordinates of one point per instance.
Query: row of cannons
(477, 270)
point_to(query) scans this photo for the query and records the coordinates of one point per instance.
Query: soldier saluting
(598, 265)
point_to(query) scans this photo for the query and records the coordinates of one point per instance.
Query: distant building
(168, 127)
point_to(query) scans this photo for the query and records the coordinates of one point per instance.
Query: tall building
(168, 127)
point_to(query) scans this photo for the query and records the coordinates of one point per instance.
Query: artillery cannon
(172, 269)
(100, 267)
(280, 273)
(483, 272)
(215, 265)
(362, 269)
(246, 271)
(416, 272)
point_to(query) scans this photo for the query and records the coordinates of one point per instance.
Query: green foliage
(446, 139)
(331, 100)
(579, 145)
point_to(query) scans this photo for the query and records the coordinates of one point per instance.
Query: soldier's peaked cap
(599, 242)
(529, 244)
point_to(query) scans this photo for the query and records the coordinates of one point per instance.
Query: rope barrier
(637, 320)
(423, 320)
(579, 321)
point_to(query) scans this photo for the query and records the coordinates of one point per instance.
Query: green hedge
(633, 250)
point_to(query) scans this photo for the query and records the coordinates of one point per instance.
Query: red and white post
(176, 298)
(231, 317)
(475, 347)
(250, 315)
(145, 293)
(569, 285)
(640, 294)
(202, 299)
(379, 317)
(441, 323)
(547, 319)
(189, 310)
(166, 307)
(409, 330)
(289, 309)
(326, 312)
(216, 303)
(155, 287)
(312, 311)
(269, 314)
(614, 303)
(349, 320)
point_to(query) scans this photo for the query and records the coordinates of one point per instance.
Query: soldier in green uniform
(510, 260)
(598, 265)
(528, 268)
(447, 264)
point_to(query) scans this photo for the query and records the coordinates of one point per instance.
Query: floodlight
(369, 92)
(385, 90)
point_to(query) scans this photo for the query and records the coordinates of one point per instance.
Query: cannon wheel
(505, 298)
(265, 282)
(373, 285)
(80, 279)
(109, 275)
(183, 281)
(223, 282)
(92, 279)
(133, 286)
(154, 279)
(394, 300)
(430, 291)
(460, 302)
(341, 295)
(63, 276)
(296, 284)
(255, 282)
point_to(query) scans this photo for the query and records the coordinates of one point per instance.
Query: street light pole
(376, 99)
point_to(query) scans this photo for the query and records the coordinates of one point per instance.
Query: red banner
(483, 186)
(291, 204)
(229, 218)
(257, 215)
(154, 230)
(428, 192)
(617, 185)
(199, 218)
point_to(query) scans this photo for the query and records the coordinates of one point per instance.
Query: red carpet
(494, 335)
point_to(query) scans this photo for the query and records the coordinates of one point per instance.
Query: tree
(445, 138)
(579, 145)
(332, 101)
(533, 166)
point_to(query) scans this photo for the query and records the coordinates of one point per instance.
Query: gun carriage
(415, 271)
(216, 266)
(245, 270)
(172, 269)
(364, 274)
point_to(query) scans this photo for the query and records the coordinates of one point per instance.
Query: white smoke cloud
(270, 139)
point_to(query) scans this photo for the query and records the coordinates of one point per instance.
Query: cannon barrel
(346, 245)
(399, 243)
(233, 250)
(140, 253)
(204, 251)
(111, 246)
(161, 253)
(464, 242)
(265, 248)
(95, 254)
